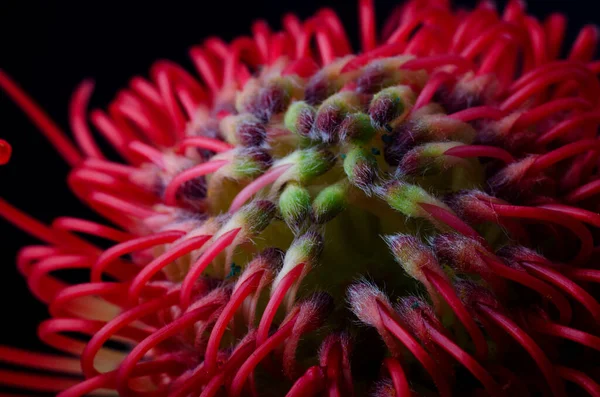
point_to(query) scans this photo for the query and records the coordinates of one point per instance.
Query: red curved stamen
(148, 152)
(591, 119)
(443, 287)
(528, 344)
(36, 382)
(466, 360)
(46, 126)
(39, 230)
(116, 324)
(538, 84)
(586, 275)
(382, 51)
(58, 306)
(49, 362)
(218, 246)
(241, 293)
(78, 122)
(172, 254)
(284, 331)
(584, 192)
(121, 205)
(589, 217)
(430, 88)
(5, 152)
(237, 358)
(550, 109)
(478, 112)
(39, 273)
(204, 142)
(189, 174)
(186, 320)
(571, 288)
(561, 331)
(398, 377)
(579, 378)
(555, 28)
(277, 297)
(415, 348)
(435, 61)
(486, 38)
(467, 151)
(109, 167)
(312, 383)
(525, 279)
(112, 132)
(70, 224)
(255, 186)
(448, 218)
(366, 11)
(138, 244)
(546, 215)
(585, 45)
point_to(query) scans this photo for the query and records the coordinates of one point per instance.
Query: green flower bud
(389, 106)
(312, 163)
(360, 166)
(294, 204)
(357, 128)
(299, 118)
(330, 202)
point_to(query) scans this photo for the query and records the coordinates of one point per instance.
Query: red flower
(260, 211)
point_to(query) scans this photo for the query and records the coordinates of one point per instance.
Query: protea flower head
(417, 217)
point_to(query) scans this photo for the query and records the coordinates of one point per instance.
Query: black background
(50, 47)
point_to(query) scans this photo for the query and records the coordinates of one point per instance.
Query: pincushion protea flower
(438, 188)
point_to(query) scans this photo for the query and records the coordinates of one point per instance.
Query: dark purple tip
(251, 133)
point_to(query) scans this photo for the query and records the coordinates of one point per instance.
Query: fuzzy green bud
(429, 158)
(390, 105)
(357, 128)
(332, 113)
(360, 166)
(405, 198)
(294, 204)
(330, 202)
(299, 118)
(312, 163)
(250, 162)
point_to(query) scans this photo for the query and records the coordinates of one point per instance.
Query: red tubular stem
(544, 214)
(416, 349)
(565, 284)
(398, 377)
(78, 122)
(220, 244)
(127, 366)
(584, 192)
(467, 151)
(366, 11)
(203, 142)
(561, 331)
(431, 87)
(311, 384)
(444, 288)
(589, 275)
(130, 246)
(581, 379)
(589, 217)
(528, 344)
(259, 183)
(524, 278)
(466, 360)
(53, 133)
(161, 261)
(260, 353)
(212, 348)
(189, 174)
(478, 112)
(550, 109)
(276, 298)
(448, 218)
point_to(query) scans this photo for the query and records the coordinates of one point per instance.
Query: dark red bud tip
(329, 118)
(318, 89)
(384, 109)
(5, 152)
(402, 139)
(273, 257)
(473, 294)
(251, 133)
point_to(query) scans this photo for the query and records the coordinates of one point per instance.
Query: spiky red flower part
(249, 202)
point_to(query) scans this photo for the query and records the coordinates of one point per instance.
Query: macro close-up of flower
(408, 209)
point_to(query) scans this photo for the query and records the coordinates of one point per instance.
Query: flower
(418, 217)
